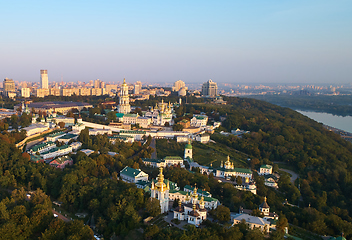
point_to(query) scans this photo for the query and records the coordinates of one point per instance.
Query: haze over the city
(163, 41)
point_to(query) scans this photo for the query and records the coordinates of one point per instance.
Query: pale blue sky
(163, 41)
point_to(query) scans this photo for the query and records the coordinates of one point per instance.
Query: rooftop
(57, 104)
(131, 172)
(68, 136)
(250, 219)
(173, 158)
(266, 166)
(42, 145)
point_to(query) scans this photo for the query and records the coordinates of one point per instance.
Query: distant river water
(343, 123)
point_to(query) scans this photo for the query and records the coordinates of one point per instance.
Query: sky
(302, 41)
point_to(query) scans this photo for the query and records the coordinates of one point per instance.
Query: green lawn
(204, 154)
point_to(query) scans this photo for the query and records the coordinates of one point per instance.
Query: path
(62, 217)
(294, 175)
(32, 143)
(153, 145)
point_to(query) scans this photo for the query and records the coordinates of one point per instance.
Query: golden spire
(228, 158)
(161, 186)
(265, 199)
(124, 80)
(168, 185)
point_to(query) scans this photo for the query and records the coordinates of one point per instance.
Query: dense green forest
(322, 158)
(336, 104)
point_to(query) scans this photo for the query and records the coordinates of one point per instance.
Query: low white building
(69, 121)
(78, 127)
(97, 131)
(132, 175)
(35, 128)
(56, 152)
(182, 138)
(265, 169)
(76, 145)
(144, 122)
(199, 120)
(137, 135)
(227, 170)
(130, 118)
(253, 222)
(166, 162)
(43, 147)
(67, 137)
(203, 138)
(54, 136)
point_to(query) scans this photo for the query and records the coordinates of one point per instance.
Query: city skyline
(229, 42)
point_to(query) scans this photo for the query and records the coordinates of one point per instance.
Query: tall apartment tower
(137, 87)
(9, 86)
(44, 82)
(124, 104)
(210, 89)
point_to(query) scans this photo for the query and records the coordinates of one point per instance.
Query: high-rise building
(9, 86)
(99, 84)
(44, 82)
(210, 89)
(137, 87)
(25, 92)
(124, 104)
(178, 85)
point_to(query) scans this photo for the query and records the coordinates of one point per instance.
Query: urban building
(44, 81)
(210, 89)
(61, 162)
(56, 106)
(132, 175)
(227, 170)
(265, 169)
(194, 211)
(25, 92)
(137, 87)
(9, 87)
(166, 162)
(41, 92)
(199, 120)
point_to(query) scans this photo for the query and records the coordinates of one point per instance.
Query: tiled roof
(41, 146)
(266, 166)
(173, 158)
(131, 172)
(241, 170)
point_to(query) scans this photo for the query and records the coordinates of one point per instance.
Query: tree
(177, 127)
(239, 180)
(256, 212)
(281, 224)
(153, 207)
(151, 231)
(222, 213)
(254, 234)
(61, 124)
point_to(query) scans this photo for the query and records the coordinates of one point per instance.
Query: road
(153, 145)
(294, 175)
(62, 217)
(32, 143)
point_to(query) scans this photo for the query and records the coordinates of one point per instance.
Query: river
(343, 123)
